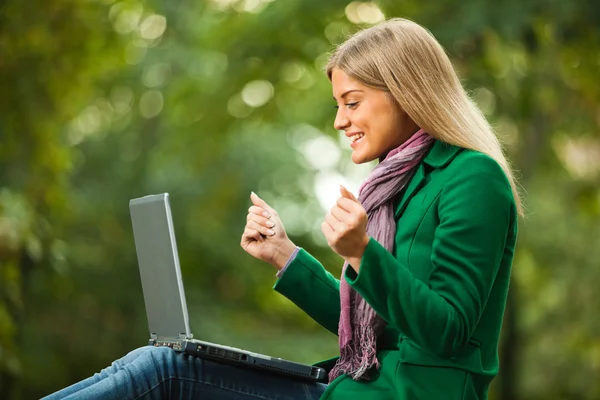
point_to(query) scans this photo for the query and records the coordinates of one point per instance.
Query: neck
(402, 145)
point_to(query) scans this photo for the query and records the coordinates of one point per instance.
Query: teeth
(356, 137)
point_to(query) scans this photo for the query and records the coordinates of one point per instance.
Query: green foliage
(102, 102)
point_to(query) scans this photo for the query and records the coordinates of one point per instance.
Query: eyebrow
(348, 92)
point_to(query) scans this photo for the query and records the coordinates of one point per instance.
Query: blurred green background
(105, 100)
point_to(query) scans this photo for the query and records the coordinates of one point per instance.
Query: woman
(428, 245)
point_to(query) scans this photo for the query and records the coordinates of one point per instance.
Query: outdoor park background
(105, 100)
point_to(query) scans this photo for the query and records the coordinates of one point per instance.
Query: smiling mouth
(354, 138)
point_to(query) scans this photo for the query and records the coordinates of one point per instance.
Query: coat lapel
(411, 189)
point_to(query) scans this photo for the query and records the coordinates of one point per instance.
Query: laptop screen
(156, 250)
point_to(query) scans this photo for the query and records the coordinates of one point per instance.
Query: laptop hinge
(182, 336)
(153, 339)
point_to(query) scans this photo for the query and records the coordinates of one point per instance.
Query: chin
(360, 158)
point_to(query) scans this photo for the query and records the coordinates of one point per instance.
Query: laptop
(164, 297)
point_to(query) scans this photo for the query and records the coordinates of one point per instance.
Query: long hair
(403, 58)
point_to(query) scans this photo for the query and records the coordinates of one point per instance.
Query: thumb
(257, 201)
(347, 194)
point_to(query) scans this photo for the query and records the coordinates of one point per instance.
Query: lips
(356, 139)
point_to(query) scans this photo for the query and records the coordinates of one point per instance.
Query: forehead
(342, 83)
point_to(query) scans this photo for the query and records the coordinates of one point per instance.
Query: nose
(341, 119)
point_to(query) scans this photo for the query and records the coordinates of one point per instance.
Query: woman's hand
(345, 228)
(264, 236)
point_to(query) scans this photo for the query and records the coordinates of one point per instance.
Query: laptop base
(232, 355)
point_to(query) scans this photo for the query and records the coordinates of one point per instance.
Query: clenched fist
(345, 228)
(264, 236)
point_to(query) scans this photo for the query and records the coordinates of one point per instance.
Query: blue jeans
(161, 373)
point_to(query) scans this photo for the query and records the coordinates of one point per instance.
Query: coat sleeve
(308, 285)
(476, 211)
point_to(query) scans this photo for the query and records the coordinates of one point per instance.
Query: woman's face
(372, 120)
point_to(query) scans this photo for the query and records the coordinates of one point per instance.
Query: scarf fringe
(359, 357)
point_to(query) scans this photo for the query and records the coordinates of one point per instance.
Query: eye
(350, 106)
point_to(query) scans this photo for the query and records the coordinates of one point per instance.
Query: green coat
(442, 291)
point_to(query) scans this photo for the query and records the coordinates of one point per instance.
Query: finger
(327, 230)
(254, 234)
(335, 224)
(258, 227)
(251, 234)
(347, 194)
(342, 215)
(259, 211)
(260, 220)
(349, 205)
(257, 201)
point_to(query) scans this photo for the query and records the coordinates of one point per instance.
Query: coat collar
(438, 156)
(441, 154)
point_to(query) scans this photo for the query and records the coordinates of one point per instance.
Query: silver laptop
(164, 296)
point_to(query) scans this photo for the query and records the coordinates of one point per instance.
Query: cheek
(388, 122)
(363, 119)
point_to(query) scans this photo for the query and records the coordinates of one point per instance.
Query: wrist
(283, 254)
(355, 260)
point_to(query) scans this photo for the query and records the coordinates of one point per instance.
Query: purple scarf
(359, 324)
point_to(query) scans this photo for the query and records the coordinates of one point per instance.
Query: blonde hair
(403, 58)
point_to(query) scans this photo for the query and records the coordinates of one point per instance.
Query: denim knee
(164, 360)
